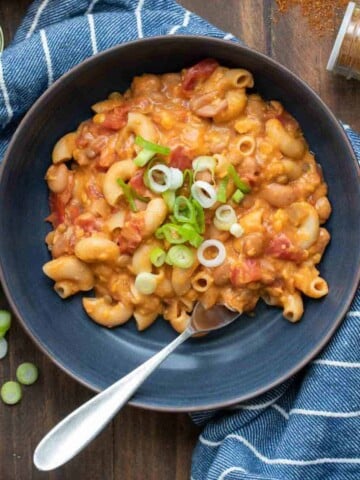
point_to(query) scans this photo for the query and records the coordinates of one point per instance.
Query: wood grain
(288, 39)
(141, 444)
(307, 54)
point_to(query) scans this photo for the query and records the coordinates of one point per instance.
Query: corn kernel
(99, 118)
(279, 220)
(265, 148)
(166, 120)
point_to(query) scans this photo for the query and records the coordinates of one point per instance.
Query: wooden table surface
(141, 444)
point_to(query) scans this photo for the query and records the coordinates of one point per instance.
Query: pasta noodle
(135, 237)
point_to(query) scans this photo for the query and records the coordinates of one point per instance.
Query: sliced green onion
(145, 283)
(138, 196)
(177, 234)
(1, 40)
(240, 184)
(237, 196)
(225, 213)
(27, 373)
(188, 177)
(128, 194)
(151, 146)
(3, 348)
(157, 256)
(5, 322)
(146, 173)
(176, 178)
(225, 216)
(159, 177)
(221, 192)
(199, 216)
(11, 393)
(204, 193)
(143, 157)
(180, 256)
(184, 211)
(191, 235)
(236, 230)
(169, 198)
(218, 259)
(171, 233)
(204, 162)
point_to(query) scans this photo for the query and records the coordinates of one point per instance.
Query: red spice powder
(320, 14)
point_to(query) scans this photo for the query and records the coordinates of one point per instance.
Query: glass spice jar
(345, 56)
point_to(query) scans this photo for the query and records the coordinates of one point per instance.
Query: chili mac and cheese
(187, 187)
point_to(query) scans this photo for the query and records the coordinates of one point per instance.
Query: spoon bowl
(218, 316)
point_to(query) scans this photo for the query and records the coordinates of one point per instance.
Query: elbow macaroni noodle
(99, 243)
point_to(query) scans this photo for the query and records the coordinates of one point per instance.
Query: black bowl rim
(263, 58)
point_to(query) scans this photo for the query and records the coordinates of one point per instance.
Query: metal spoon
(76, 430)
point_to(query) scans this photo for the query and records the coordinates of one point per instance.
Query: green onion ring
(180, 256)
(157, 256)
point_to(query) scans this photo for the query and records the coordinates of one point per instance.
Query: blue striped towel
(309, 427)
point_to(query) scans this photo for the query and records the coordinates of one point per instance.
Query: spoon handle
(76, 430)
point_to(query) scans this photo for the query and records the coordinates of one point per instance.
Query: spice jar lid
(331, 66)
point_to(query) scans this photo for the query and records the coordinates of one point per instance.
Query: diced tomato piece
(249, 271)
(200, 71)
(72, 212)
(281, 247)
(100, 168)
(65, 196)
(131, 234)
(57, 208)
(88, 223)
(137, 182)
(180, 158)
(116, 118)
(58, 202)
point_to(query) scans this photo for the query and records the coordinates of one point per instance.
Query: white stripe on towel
(184, 24)
(209, 443)
(280, 410)
(336, 363)
(92, 33)
(186, 18)
(138, 18)
(229, 470)
(37, 17)
(91, 6)
(280, 461)
(5, 94)
(47, 57)
(228, 36)
(323, 413)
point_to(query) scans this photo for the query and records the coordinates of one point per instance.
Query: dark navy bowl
(241, 361)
